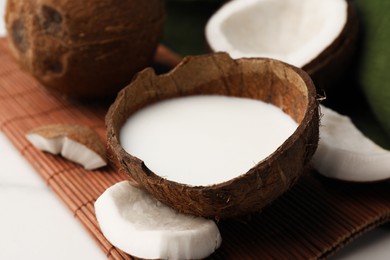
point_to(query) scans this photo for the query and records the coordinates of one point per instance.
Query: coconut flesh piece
(345, 153)
(138, 224)
(74, 142)
(293, 31)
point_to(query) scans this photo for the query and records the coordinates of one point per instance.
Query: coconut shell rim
(345, 40)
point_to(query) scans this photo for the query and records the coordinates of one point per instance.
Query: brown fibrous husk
(271, 81)
(87, 49)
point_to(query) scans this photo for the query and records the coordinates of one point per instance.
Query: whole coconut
(87, 49)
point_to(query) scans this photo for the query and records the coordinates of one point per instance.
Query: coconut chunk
(77, 143)
(345, 153)
(135, 222)
(292, 31)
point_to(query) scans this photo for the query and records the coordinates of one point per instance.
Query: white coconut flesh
(294, 31)
(345, 153)
(69, 149)
(135, 222)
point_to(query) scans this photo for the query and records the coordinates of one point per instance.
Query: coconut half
(135, 222)
(345, 153)
(77, 143)
(282, 85)
(318, 36)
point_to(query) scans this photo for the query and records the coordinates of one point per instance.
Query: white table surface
(35, 224)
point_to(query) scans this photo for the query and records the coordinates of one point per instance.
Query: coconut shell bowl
(268, 80)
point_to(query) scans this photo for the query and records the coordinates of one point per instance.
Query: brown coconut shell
(328, 67)
(268, 80)
(87, 49)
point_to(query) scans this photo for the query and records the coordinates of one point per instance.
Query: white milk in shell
(207, 139)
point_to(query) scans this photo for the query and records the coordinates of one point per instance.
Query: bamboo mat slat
(311, 221)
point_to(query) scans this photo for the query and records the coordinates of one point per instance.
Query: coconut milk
(204, 140)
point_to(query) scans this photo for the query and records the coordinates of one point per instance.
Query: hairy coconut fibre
(87, 49)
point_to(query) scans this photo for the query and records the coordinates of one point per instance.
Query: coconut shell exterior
(88, 49)
(327, 68)
(268, 80)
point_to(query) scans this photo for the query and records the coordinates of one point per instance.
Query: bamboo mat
(311, 221)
